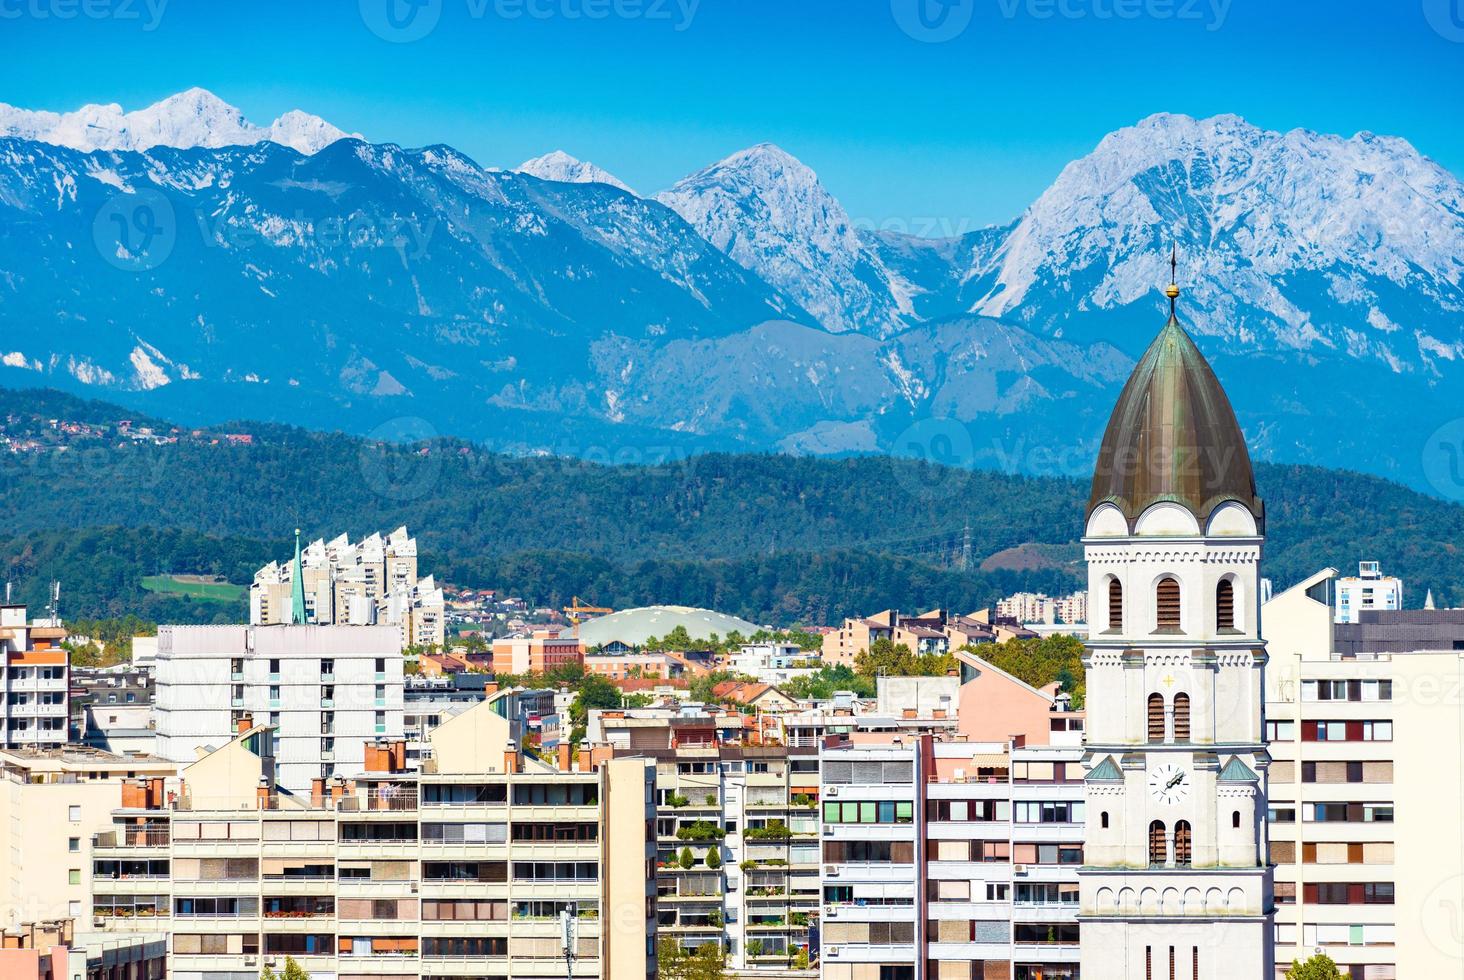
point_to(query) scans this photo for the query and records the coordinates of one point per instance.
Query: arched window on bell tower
(1181, 717)
(1156, 718)
(1183, 843)
(1115, 606)
(1225, 605)
(1158, 844)
(1166, 603)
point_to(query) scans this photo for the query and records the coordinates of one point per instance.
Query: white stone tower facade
(1175, 883)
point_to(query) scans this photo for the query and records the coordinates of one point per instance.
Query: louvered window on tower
(1156, 718)
(1183, 845)
(1167, 600)
(1157, 843)
(1225, 605)
(1115, 605)
(1181, 718)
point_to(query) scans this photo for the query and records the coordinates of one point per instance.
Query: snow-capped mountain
(189, 119)
(768, 211)
(1288, 241)
(562, 167)
(549, 309)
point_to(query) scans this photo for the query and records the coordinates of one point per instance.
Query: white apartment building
(1366, 792)
(325, 689)
(354, 583)
(1037, 607)
(35, 709)
(1369, 589)
(951, 859)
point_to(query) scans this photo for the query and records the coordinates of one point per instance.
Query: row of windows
(867, 811)
(1049, 811)
(1347, 690)
(1336, 893)
(1168, 607)
(1334, 813)
(1333, 852)
(1346, 731)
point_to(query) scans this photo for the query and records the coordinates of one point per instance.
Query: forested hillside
(774, 538)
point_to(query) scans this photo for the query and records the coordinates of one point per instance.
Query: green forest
(776, 539)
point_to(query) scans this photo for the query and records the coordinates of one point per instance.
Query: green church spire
(297, 586)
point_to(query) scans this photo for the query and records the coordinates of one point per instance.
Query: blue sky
(907, 126)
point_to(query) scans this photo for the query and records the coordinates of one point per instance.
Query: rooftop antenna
(54, 607)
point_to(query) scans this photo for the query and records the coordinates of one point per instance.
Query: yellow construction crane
(577, 609)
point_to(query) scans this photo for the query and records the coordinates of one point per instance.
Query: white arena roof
(633, 627)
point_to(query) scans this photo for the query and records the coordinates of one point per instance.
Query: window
(1183, 845)
(1115, 605)
(1347, 690)
(1158, 845)
(1280, 731)
(1181, 717)
(1225, 605)
(73, 877)
(1103, 819)
(1156, 718)
(73, 844)
(73, 814)
(1346, 731)
(1166, 603)
(1235, 819)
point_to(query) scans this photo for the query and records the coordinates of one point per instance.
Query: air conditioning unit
(250, 960)
(832, 871)
(1019, 869)
(831, 791)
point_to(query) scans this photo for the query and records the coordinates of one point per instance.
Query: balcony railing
(371, 800)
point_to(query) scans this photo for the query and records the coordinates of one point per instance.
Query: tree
(708, 962)
(714, 857)
(293, 971)
(1319, 967)
(887, 658)
(1040, 662)
(594, 692)
(687, 860)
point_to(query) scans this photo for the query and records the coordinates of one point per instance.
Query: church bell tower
(1174, 883)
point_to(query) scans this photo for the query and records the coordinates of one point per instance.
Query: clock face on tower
(1168, 783)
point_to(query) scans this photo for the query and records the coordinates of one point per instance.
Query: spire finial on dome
(1172, 290)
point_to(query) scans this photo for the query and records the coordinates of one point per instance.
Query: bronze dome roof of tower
(1173, 436)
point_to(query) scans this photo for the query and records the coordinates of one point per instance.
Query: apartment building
(1366, 789)
(352, 583)
(948, 859)
(484, 864)
(52, 801)
(323, 690)
(538, 652)
(1368, 590)
(1038, 607)
(35, 710)
(56, 951)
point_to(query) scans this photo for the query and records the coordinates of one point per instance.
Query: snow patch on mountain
(770, 214)
(1297, 237)
(566, 169)
(189, 119)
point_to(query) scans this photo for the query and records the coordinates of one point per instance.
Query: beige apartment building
(481, 865)
(52, 801)
(1367, 788)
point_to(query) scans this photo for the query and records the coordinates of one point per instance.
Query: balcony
(382, 800)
